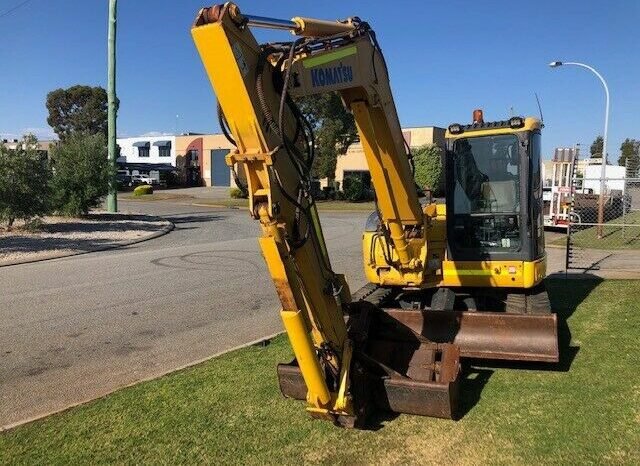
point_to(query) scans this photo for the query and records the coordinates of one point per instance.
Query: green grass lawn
(613, 237)
(229, 410)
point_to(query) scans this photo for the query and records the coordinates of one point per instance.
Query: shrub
(328, 193)
(142, 190)
(237, 193)
(429, 172)
(24, 182)
(172, 179)
(81, 173)
(355, 189)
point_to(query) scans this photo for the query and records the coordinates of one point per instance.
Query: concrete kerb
(163, 231)
(258, 341)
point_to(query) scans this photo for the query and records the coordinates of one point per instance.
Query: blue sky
(445, 59)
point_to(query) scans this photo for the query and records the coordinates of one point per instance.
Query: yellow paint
(494, 274)
(343, 403)
(317, 392)
(311, 317)
(214, 43)
(395, 191)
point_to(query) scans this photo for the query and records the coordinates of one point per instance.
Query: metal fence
(610, 241)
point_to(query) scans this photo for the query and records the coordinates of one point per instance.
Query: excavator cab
(494, 193)
(487, 244)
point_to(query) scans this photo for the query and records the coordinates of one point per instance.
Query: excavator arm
(340, 353)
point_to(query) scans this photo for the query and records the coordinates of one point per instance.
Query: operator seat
(499, 196)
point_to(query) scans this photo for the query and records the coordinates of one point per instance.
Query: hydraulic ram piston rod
(307, 27)
(270, 23)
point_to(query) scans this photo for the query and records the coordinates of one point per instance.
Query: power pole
(112, 198)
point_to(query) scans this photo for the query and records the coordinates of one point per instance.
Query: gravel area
(61, 236)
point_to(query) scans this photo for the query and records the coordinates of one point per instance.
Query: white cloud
(40, 133)
(156, 133)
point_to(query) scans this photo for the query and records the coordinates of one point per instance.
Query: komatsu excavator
(461, 279)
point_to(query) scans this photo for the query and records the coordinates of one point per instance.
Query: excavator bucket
(412, 356)
(429, 385)
(485, 335)
(399, 370)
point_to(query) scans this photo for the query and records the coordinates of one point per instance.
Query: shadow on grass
(472, 384)
(378, 418)
(565, 294)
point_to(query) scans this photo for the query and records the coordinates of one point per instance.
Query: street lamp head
(555, 64)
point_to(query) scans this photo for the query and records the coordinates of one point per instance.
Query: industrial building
(353, 163)
(43, 146)
(199, 159)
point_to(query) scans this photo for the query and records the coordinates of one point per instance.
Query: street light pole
(112, 198)
(603, 168)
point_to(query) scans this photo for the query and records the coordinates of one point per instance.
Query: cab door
(536, 195)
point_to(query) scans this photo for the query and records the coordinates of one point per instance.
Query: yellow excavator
(460, 279)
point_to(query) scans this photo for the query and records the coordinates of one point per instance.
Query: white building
(148, 149)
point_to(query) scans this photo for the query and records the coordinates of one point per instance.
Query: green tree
(81, 173)
(334, 128)
(24, 182)
(78, 109)
(428, 168)
(596, 147)
(628, 150)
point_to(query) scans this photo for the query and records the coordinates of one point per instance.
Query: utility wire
(11, 10)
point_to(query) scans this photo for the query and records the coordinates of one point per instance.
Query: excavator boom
(340, 353)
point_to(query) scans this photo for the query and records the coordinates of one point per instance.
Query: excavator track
(534, 301)
(373, 294)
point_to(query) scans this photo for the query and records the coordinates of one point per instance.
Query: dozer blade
(430, 387)
(485, 335)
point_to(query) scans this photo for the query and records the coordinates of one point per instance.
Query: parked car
(142, 179)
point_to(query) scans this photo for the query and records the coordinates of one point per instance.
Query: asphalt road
(76, 328)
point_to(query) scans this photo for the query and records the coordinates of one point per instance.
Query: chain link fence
(610, 240)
